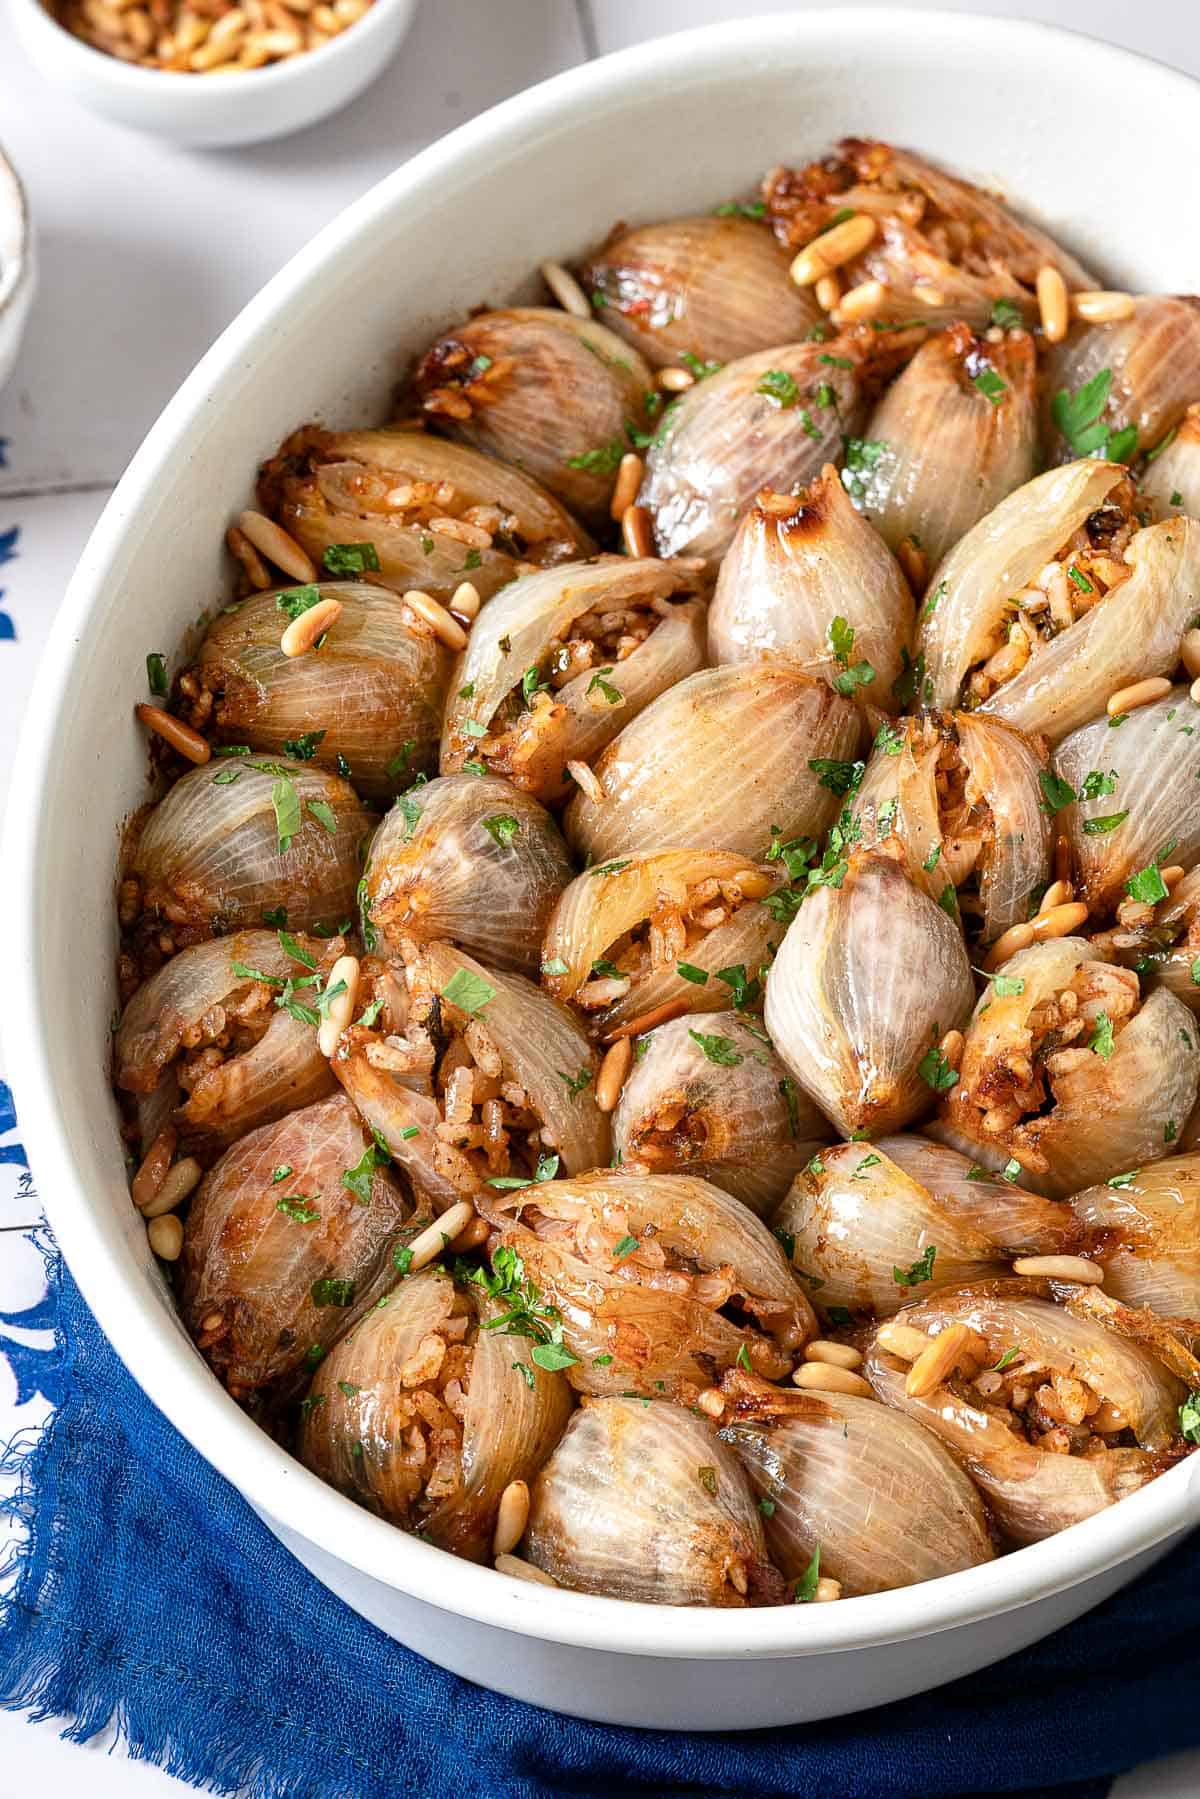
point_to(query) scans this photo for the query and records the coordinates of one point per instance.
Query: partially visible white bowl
(666, 128)
(16, 266)
(244, 107)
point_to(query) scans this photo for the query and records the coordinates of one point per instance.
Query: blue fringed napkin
(149, 1592)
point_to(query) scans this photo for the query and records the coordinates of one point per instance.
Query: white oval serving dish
(17, 277)
(668, 127)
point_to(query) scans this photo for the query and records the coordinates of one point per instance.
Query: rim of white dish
(96, 65)
(14, 231)
(156, 1355)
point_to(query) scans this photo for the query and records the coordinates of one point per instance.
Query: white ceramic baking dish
(669, 126)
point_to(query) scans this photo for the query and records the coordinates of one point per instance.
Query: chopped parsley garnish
(838, 777)
(281, 1173)
(555, 965)
(300, 1206)
(608, 868)
(547, 1168)
(890, 739)
(1080, 418)
(718, 1049)
(603, 461)
(1101, 1040)
(525, 1315)
(607, 691)
(156, 674)
(502, 827)
(1006, 314)
(936, 1072)
(990, 385)
(1007, 986)
(324, 815)
(862, 455)
(931, 605)
(331, 1292)
(468, 991)
(1147, 884)
(576, 1082)
(296, 600)
(304, 747)
(624, 1248)
(357, 1180)
(1080, 581)
(1100, 827)
(399, 762)
(1189, 1418)
(351, 558)
(1121, 1181)
(1006, 1360)
(805, 1588)
(1097, 785)
(688, 971)
(917, 1272)
(861, 1171)
(1056, 793)
(779, 387)
(286, 802)
(853, 675)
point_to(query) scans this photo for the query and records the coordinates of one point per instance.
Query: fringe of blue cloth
(148, 1596)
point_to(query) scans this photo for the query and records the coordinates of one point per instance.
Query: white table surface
(146, 252)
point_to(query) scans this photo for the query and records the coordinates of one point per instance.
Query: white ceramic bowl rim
(190, 90)
(14, 231)
(155, 1354)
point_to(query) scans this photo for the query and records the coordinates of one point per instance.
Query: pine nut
(914, 562)
(153, 1172)
(1142, 693)
(636, 531)
(1059, 893)
(586, 780)
(257, 573)
(522, 1570)
(1060, 921)
(1062, 858)
(675, 381)
(1189, 651)
(465, 601)
(276, 43)
(180, 1181)
(437, 1236)
(462, 531)
(862, 302)
(904, 1341)
(566, 290)
(1052, 304)
(711, 1403)
(275, 544)
(1102, 308)
(646, 1021)
(1172, 876)
(823, 1377)
(1017, 937)
(828, 291)
(837, 1355)
(629, 479)
(303, 632)
(1194, 692)
(614, 1070)
(511, 1517)
(181, 737)
(166, 1237)
(445, 627)
(340, 1010)
(753, 883)
(951, 1048)
(477, 1232)
(1060, 1268)
(941, 1358)
(827, 1591)
(735, 1573)
(841, 243)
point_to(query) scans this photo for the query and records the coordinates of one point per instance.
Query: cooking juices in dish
(660, 1041)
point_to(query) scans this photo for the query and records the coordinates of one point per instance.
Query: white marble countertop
(146, 252)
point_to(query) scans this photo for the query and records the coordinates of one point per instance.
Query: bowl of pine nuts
(212, 72)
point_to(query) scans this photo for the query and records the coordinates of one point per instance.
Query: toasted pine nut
(1194, 692)
(629, 479)
(940, 1358)
(675, 381)
(181, 737)
(636, 531)
(1189, 651)
(180, 1181)
(862, 302)
(461, 530)
(711, 1403)
(838, 1355)
(213, 55)
(1172, 876)
(303, 632)
(735, 1573)
(1017, 937)
(257, 573)
(827, 1591)
(276, 43)
(523, 1570)
(511, 1517)
(823, 1377)
(445, 627)
(1141, 693)
(566, 290)
(618, 1059)
(153, 1171)
(753, 883)
(914, 562)
(465, 600)
(951, 1048)
(440, 1234)
(646, 1021)
(166, 1237)
(476, 1233)
(1060, 921)
(1053, 304)
(340, 1010)
(828, 291)
(1108, 1416)
(902, 1340)
(212, 1321)
(1102, 307)
(1060, 1268)
(1058, 893)
(277, 546)
(841, 243)
(586, 780)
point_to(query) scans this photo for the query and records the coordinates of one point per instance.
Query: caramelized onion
(1148, 1234)
(1153, 363)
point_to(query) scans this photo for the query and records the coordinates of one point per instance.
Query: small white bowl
(16, 266)
(243, 107)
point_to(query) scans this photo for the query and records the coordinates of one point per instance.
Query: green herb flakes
(468, 991)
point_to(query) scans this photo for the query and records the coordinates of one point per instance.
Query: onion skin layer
(212, 849)
(858, 1213)
(510, 1425)
(642, 1501)
(1148, 1235)
(254, 1267)
(1171, 481)
(870, 977)
(375, 689)
(877, 1493)
(949, 453)
(746, 733)
(797, 563)
(569, 1242)
(556, 394)
(710, 288)
(447, 875)
(1032, 1493)
(1155, 362)
(746, 1126)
